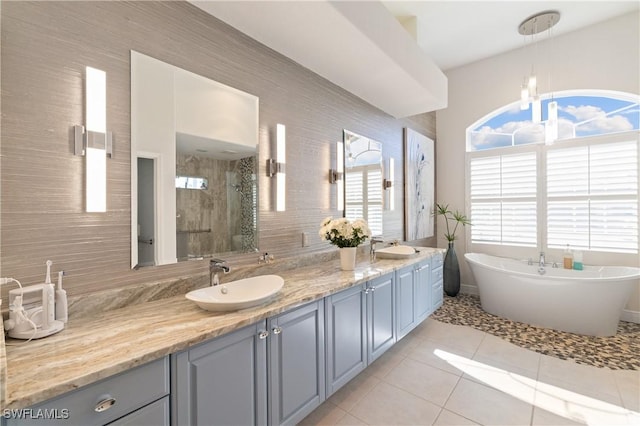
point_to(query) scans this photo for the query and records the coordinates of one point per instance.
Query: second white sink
(239, 294)
(396, 252)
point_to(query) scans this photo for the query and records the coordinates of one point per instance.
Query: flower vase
(451, 272)
(348, 258)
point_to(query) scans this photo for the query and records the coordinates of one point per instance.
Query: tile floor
(444, 374)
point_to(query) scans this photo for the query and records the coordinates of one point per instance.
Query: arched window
(580, 189)
(580, 114)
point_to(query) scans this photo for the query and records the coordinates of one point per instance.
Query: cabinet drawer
(437, 295)
(154, 414)
(120, 395)
(437, 260)
(437, 274)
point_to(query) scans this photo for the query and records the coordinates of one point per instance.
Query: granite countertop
(90, 349)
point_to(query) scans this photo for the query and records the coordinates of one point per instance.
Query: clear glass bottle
(577, 260)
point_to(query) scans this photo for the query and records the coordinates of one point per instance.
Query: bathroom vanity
(170, 362)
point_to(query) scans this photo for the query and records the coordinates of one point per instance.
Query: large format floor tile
(446, 374)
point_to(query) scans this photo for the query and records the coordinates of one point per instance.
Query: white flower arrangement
(343, 233)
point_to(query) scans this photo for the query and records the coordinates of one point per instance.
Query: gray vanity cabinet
(222, 381)
(346, 315)
(138, 396)
(405, 297)
(381, 316)
(271, 372)
(296, 363)
(424, 290)
(413, 295)
(437, 279)
(360, 328)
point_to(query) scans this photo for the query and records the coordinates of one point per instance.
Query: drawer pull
(105, 404)
(277, 330)
(263, 335)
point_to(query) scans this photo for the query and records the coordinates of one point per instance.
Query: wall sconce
(276, 167)
(94, 142)
(387, 184)
(337, 175)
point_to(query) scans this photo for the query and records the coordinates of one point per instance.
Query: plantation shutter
(592, 197)
(363, 196)
(354, 194)
(502, 190)
(374, 200)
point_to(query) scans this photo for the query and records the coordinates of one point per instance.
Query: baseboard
(630, 316)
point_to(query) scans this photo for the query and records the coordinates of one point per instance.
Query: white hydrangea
(344, 233)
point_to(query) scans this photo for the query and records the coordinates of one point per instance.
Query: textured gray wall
(45, 47)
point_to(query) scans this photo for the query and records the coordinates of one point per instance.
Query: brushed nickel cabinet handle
(105, 404)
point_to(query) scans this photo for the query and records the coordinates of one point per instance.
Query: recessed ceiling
(455, 33)
(399, 70)
(358, 46)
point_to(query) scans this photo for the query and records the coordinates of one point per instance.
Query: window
(580, 114)
(592, 197)
(581, 190)
(503, 199)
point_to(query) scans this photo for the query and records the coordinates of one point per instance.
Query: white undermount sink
(239, 294)
(396, 252)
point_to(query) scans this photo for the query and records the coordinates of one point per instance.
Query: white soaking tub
(584, 302)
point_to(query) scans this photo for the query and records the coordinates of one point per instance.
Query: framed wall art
(419, 186)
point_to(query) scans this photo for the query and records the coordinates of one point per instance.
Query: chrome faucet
(215, 266)
(372, 248)
(541, 262)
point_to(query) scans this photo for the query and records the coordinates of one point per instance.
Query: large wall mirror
(363, 195)
(193, 165)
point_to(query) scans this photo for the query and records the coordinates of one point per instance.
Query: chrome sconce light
(337, 175)
(276, 167)
(387, 185)
(94, 142)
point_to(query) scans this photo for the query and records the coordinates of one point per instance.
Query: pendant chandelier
(531, 26)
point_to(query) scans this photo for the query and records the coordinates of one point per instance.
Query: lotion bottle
(567, 258)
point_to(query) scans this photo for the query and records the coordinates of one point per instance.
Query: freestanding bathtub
(585, 302)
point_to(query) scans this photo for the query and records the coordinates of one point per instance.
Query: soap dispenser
(567, 258)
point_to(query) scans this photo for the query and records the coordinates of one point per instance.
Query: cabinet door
(297, 364)
(381, 328)
(223, 381)
(422, 279)
(405, 297)
(345, 314)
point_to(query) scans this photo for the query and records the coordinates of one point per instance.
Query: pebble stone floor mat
(619, 352)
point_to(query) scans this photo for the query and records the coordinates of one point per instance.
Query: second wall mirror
(363, 194)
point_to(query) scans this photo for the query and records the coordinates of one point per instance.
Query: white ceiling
(455, 33)
(397, 50)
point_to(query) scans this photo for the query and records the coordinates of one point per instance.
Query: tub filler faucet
(541, 262)
(215, 266)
